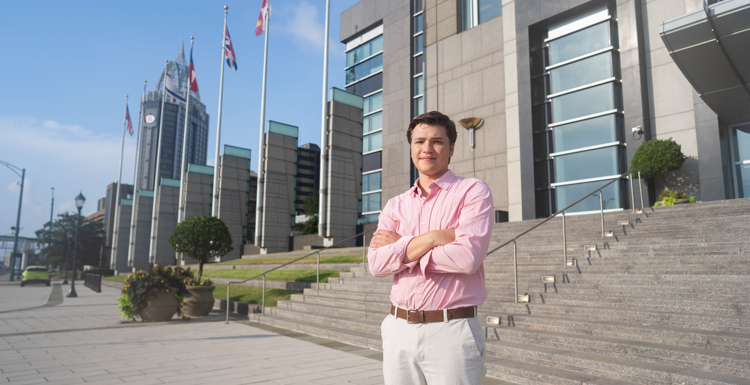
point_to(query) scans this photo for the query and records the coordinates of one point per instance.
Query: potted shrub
(655, 158)
(152, 295)
(673, 197)
(201, 238)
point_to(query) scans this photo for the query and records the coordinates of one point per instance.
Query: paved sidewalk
(82, 340)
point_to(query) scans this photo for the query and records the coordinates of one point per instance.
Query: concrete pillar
(138, 250)
(344, 172)
(279, 175)
(198, 190)
(120, 249)
(233, 191)
(166, 220)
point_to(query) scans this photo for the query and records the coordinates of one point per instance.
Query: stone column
(198, 190)
(279, 175)
(120, 252)
(143, 204)
(344, 171)
(166, 221)
(234, 186)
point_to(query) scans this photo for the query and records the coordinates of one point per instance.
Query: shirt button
(418, 291)
(423, 223)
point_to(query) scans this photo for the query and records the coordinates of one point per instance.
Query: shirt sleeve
(467, 252)
(388, 260)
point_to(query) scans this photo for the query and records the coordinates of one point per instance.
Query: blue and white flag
(172, 90)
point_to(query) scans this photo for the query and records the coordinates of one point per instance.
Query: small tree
(656, 158)
(201, 238)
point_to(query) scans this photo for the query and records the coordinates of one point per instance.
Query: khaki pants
(433, 353)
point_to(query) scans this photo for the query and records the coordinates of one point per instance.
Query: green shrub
(655, 158)
(669, 201)
(201, 238)
(691, 199)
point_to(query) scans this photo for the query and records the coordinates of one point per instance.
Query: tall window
(417, 70)
(364, 77)
(475, 12)
(577, 114)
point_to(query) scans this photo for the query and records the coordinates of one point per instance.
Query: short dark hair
(434, 118)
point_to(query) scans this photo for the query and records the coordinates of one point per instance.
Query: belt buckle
(408, 320)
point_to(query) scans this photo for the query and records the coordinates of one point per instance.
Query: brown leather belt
(424, 316)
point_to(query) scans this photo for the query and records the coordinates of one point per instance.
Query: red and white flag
(265, 12)
(127, 119)
(192, 80)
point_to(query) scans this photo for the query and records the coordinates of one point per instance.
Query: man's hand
(425, 242)
(383, 238)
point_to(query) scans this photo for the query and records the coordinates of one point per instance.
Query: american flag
(192, 80)
(229, 51)
(127, 119)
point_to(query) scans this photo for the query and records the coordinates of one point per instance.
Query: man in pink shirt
(433, 239)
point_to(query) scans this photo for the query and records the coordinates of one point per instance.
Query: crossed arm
(418, 246)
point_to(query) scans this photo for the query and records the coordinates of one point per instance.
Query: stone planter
(199, 301)
(160, 307)
(679, 201)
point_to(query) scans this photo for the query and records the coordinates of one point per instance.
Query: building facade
(308, 174)
(566, 90)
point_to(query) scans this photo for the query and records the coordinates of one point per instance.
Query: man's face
(431, 150)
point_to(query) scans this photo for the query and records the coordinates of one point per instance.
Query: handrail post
(228, 284)
(263, 303)
(317, 274)
(565, 242)
(640, 186)
(515, 269)
(632, 198)
(601, 210)
(364, 249)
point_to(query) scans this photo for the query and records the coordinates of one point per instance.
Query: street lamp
(67, 253)
(17, 229)
(80, 200)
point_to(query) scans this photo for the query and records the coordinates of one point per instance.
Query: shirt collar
(444, 182)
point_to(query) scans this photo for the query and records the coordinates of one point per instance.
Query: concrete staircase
(665, 300)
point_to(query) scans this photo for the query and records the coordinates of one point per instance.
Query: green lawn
(305, 275)
(116, 278)
(343, 258)
(253, 294)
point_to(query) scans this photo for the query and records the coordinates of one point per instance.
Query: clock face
(150, 118)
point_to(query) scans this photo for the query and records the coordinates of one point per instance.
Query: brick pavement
(48, 338)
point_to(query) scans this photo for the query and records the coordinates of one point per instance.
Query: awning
(711, 47)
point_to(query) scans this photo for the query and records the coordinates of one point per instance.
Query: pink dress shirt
(448, 276)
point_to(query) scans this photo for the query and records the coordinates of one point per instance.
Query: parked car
(35, 274)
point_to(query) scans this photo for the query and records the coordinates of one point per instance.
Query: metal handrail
(562, 212)
(317, 285)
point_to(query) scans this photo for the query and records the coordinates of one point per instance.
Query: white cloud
(68, 157)
(304, 26)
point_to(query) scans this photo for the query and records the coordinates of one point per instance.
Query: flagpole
(117, 194)
(215, 200)
(261, 143)
(322, 217)
(181, 213)
(131, 243)
(151, 248)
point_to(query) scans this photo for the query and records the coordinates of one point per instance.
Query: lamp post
(17, 229)
(80, 200)
(67, 253)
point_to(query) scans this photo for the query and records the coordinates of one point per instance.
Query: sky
(66, 67)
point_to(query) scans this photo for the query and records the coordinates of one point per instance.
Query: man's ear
(453, 147)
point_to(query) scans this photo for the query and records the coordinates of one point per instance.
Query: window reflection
(373, 103)
(586, 164)
(566, 195)
(579, 43)
(364, 51)
(581, 72)
(364, 69)
(371, 182)
(585, 133)
(372, 122)
(372, 142)
(585, 102)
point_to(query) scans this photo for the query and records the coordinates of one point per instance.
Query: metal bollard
(640, 186)
(515, 269)
(263, 303)
(632, 198)
(228, 284)
(565, 242)
(601, 211)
